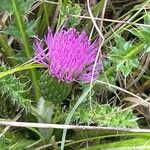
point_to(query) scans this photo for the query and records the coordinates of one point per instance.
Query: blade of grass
(126, 26)
(45, 13)
(102, 135)
(68, 119)
(130, 144)
(7, 51)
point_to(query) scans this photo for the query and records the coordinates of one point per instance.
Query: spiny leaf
(6, 5)
(11, 86)
(124, 54)
(67, 11)
(13, 30)
(100, 115)
(143, 32)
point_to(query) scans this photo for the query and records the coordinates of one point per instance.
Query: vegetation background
(114, 109)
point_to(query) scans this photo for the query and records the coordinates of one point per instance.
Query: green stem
(26, 44)
(20, 68)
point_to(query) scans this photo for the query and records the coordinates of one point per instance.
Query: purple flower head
(69, 56)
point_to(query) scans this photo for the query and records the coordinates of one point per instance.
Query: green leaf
(13, 29)
(127, 66)
(25, 5)
(119, 42)
(126, 69)
(135, 143)
(14, 141)
(30, 28)
(102, 115)
(15, 90)
(6, 5)
(66, 13)
(143, 32)
(124, 54)
(46, 110)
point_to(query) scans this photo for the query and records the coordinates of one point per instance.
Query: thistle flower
(69, 55)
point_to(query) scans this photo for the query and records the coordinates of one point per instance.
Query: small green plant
(121, 58)
(11, 87)
(105, 115)
(66, 15)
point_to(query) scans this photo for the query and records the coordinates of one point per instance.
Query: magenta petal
(40, 55)
(70, 55)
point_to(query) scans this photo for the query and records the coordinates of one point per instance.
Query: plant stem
(26, 44)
